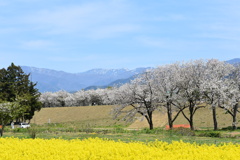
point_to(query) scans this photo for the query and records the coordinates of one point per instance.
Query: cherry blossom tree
(166, 85)
(108, 95)
(216, 76)
(81, 98)
(179, 87)
(137, 97)
(61, 98)
(190, 79)
(48, 99)
(231, 95)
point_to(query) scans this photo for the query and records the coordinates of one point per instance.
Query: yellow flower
(96, 148)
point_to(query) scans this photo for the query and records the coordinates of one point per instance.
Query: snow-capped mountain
(52, 80)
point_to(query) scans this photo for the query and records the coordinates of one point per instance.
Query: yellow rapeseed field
(59, 149)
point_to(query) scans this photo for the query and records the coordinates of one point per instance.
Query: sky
(79, 35)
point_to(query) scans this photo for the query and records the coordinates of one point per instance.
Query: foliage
(182, 131)
(18, 96)
(8, 112)
(15, 86)
(151, 131)
(210, 134)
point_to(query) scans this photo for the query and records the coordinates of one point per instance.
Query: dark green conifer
(16, 88)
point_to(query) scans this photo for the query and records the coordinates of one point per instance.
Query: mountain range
(234, 61)
(51, 80)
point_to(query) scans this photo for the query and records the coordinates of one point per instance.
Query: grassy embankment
(99, 116)
(96, 121)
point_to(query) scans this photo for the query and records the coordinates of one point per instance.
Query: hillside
(88, 115)
(100, 116)
(202, 119)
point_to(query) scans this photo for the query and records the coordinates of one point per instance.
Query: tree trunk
(169, 113)
(1, 127)
(234, 124)
(149, 119)
(215, 124)
(191, 110)
(151, 125)
(1, 132)
(191, 122)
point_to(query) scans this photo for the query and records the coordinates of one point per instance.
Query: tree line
(180, 88)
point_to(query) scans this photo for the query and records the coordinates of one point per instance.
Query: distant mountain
(52, 80)
(116, 83)
(234, 61)
(127, 80)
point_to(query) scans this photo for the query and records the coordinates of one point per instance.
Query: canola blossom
(96, 148)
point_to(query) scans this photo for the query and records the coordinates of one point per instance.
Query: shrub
(183, 131)
(210, 134)
(86, 128)
(119, 129)
(21, 130)
(32, 131)
(152, 131)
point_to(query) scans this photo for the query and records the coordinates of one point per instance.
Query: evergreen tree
(15, 86)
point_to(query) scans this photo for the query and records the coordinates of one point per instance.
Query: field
(96, 121)
(100, 116)
(87, 114)
(91, 133)
(106, 149)
(95, 148)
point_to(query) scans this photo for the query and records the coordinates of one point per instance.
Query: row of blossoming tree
(180, 88)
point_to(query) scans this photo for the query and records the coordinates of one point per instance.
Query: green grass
(119, 132)
(96, 121)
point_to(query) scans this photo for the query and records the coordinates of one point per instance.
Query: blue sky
(79, 35)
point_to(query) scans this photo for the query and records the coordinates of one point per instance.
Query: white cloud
(86, 20)
(176, 45)
(36, 44)
(220, 31)
(78, 57)
(113, 30)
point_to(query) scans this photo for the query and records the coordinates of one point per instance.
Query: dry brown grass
(100, 116)
(202, 119)
(94, 115)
